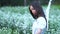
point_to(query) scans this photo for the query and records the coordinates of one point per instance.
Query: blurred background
(15, 17)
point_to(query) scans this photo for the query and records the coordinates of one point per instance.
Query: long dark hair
(37, 6)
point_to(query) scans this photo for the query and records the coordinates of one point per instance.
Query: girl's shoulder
(41, 19)
(41, 22)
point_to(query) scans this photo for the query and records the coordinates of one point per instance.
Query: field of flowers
(18, 20)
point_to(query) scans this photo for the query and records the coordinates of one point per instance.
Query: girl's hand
(39, 31)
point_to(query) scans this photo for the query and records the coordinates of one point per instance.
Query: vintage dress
(39, 23)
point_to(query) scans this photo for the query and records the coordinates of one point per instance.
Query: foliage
(24, 2)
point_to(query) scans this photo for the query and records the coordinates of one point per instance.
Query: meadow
(18, 20)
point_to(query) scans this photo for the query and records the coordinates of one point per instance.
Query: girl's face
(33, 10)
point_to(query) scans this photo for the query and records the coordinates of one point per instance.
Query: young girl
(39, 25)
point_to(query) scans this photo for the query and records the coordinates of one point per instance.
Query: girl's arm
(41, 24)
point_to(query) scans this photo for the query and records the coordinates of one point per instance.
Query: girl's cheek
(33, 11)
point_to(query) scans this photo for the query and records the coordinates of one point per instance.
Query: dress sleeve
(41, 23)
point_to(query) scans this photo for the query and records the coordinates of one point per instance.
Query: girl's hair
(37, 6)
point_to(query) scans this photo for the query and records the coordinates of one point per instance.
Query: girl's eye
(33, 9)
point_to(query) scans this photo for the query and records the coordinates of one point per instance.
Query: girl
(39, 25)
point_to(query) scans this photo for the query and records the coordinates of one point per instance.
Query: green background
(15, 17)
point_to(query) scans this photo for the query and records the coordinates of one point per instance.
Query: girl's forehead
(31, 7)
